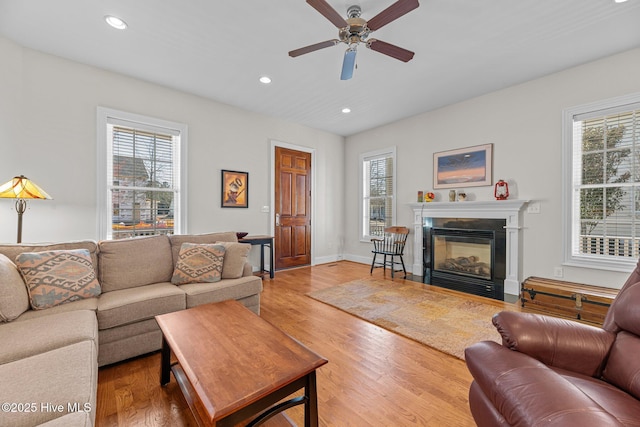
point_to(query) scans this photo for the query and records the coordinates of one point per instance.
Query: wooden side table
(262, 241)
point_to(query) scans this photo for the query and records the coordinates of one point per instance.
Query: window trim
(390, 152)
(145, 122)
(584, 111)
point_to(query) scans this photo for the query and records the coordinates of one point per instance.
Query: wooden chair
(390, 245)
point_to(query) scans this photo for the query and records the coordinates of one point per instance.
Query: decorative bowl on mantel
(241, 234)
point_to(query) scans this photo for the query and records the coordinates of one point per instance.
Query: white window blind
(143, 184)
(378, 205)
(605, 186)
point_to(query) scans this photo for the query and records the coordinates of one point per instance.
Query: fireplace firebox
(467, 255)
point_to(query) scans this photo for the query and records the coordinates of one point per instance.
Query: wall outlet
(558, 272)
(533, 208)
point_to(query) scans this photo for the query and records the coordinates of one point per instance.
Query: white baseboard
(326, 259)
(358, 258)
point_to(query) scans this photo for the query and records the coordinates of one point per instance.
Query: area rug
(444, 321)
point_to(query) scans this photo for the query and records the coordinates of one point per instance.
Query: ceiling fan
(355, 30)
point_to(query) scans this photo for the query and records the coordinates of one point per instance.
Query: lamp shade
(22, 187)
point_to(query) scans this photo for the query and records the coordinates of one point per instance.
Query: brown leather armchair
(557, 372)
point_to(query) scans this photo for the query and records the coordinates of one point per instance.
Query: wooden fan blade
(313, 47)
(328, 12)
(391, 50)
(393, 12)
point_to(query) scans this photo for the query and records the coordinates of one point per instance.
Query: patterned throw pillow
(58, 277)
(198, 263)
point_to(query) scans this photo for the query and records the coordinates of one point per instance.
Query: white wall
(48, 133)
(524, 124)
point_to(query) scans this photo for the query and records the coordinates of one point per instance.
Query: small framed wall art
(464, 167)
(235, 189)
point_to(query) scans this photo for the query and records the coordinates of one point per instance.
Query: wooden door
(293, 208)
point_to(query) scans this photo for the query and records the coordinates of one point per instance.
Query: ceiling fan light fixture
(265, 80)
(115, 22)
(348, 64)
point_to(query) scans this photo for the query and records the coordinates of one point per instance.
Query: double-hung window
(140, 175)
(378, 192)
(602, 184)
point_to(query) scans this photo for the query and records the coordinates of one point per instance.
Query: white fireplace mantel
(509, 210)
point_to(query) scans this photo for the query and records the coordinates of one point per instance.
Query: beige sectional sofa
(51, 356)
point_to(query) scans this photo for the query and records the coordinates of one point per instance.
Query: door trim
(272, 188)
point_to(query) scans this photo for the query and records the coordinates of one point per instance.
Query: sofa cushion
(46, 333)
(82, 304)
(127, 306)
(235, 258)
(58, 277)
(612, 399)
(13, 250)
(627, 310)
(623, 365)
(14, 299)
(134, 262)
(178, 239)
(198, 263)
(62, 376)
(204, 293)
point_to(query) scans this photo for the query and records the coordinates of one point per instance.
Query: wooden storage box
(566, 299)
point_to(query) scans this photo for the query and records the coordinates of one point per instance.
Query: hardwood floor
(374, 377)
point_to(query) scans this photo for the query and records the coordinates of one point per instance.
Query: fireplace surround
(510, 211)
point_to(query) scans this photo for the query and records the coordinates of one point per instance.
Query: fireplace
(510, 211)
(466, 255)
(464, 252)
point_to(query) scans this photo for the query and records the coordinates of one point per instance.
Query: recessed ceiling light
(115, 22)
(264, 79)
(346, 110)
(620, 1)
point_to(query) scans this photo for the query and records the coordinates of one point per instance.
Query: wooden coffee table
(232, 365)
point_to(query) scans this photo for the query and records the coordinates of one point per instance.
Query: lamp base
(21, 207)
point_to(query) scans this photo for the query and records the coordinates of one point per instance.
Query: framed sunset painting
(464, 167)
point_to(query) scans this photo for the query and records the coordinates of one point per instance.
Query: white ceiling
(219, 48)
